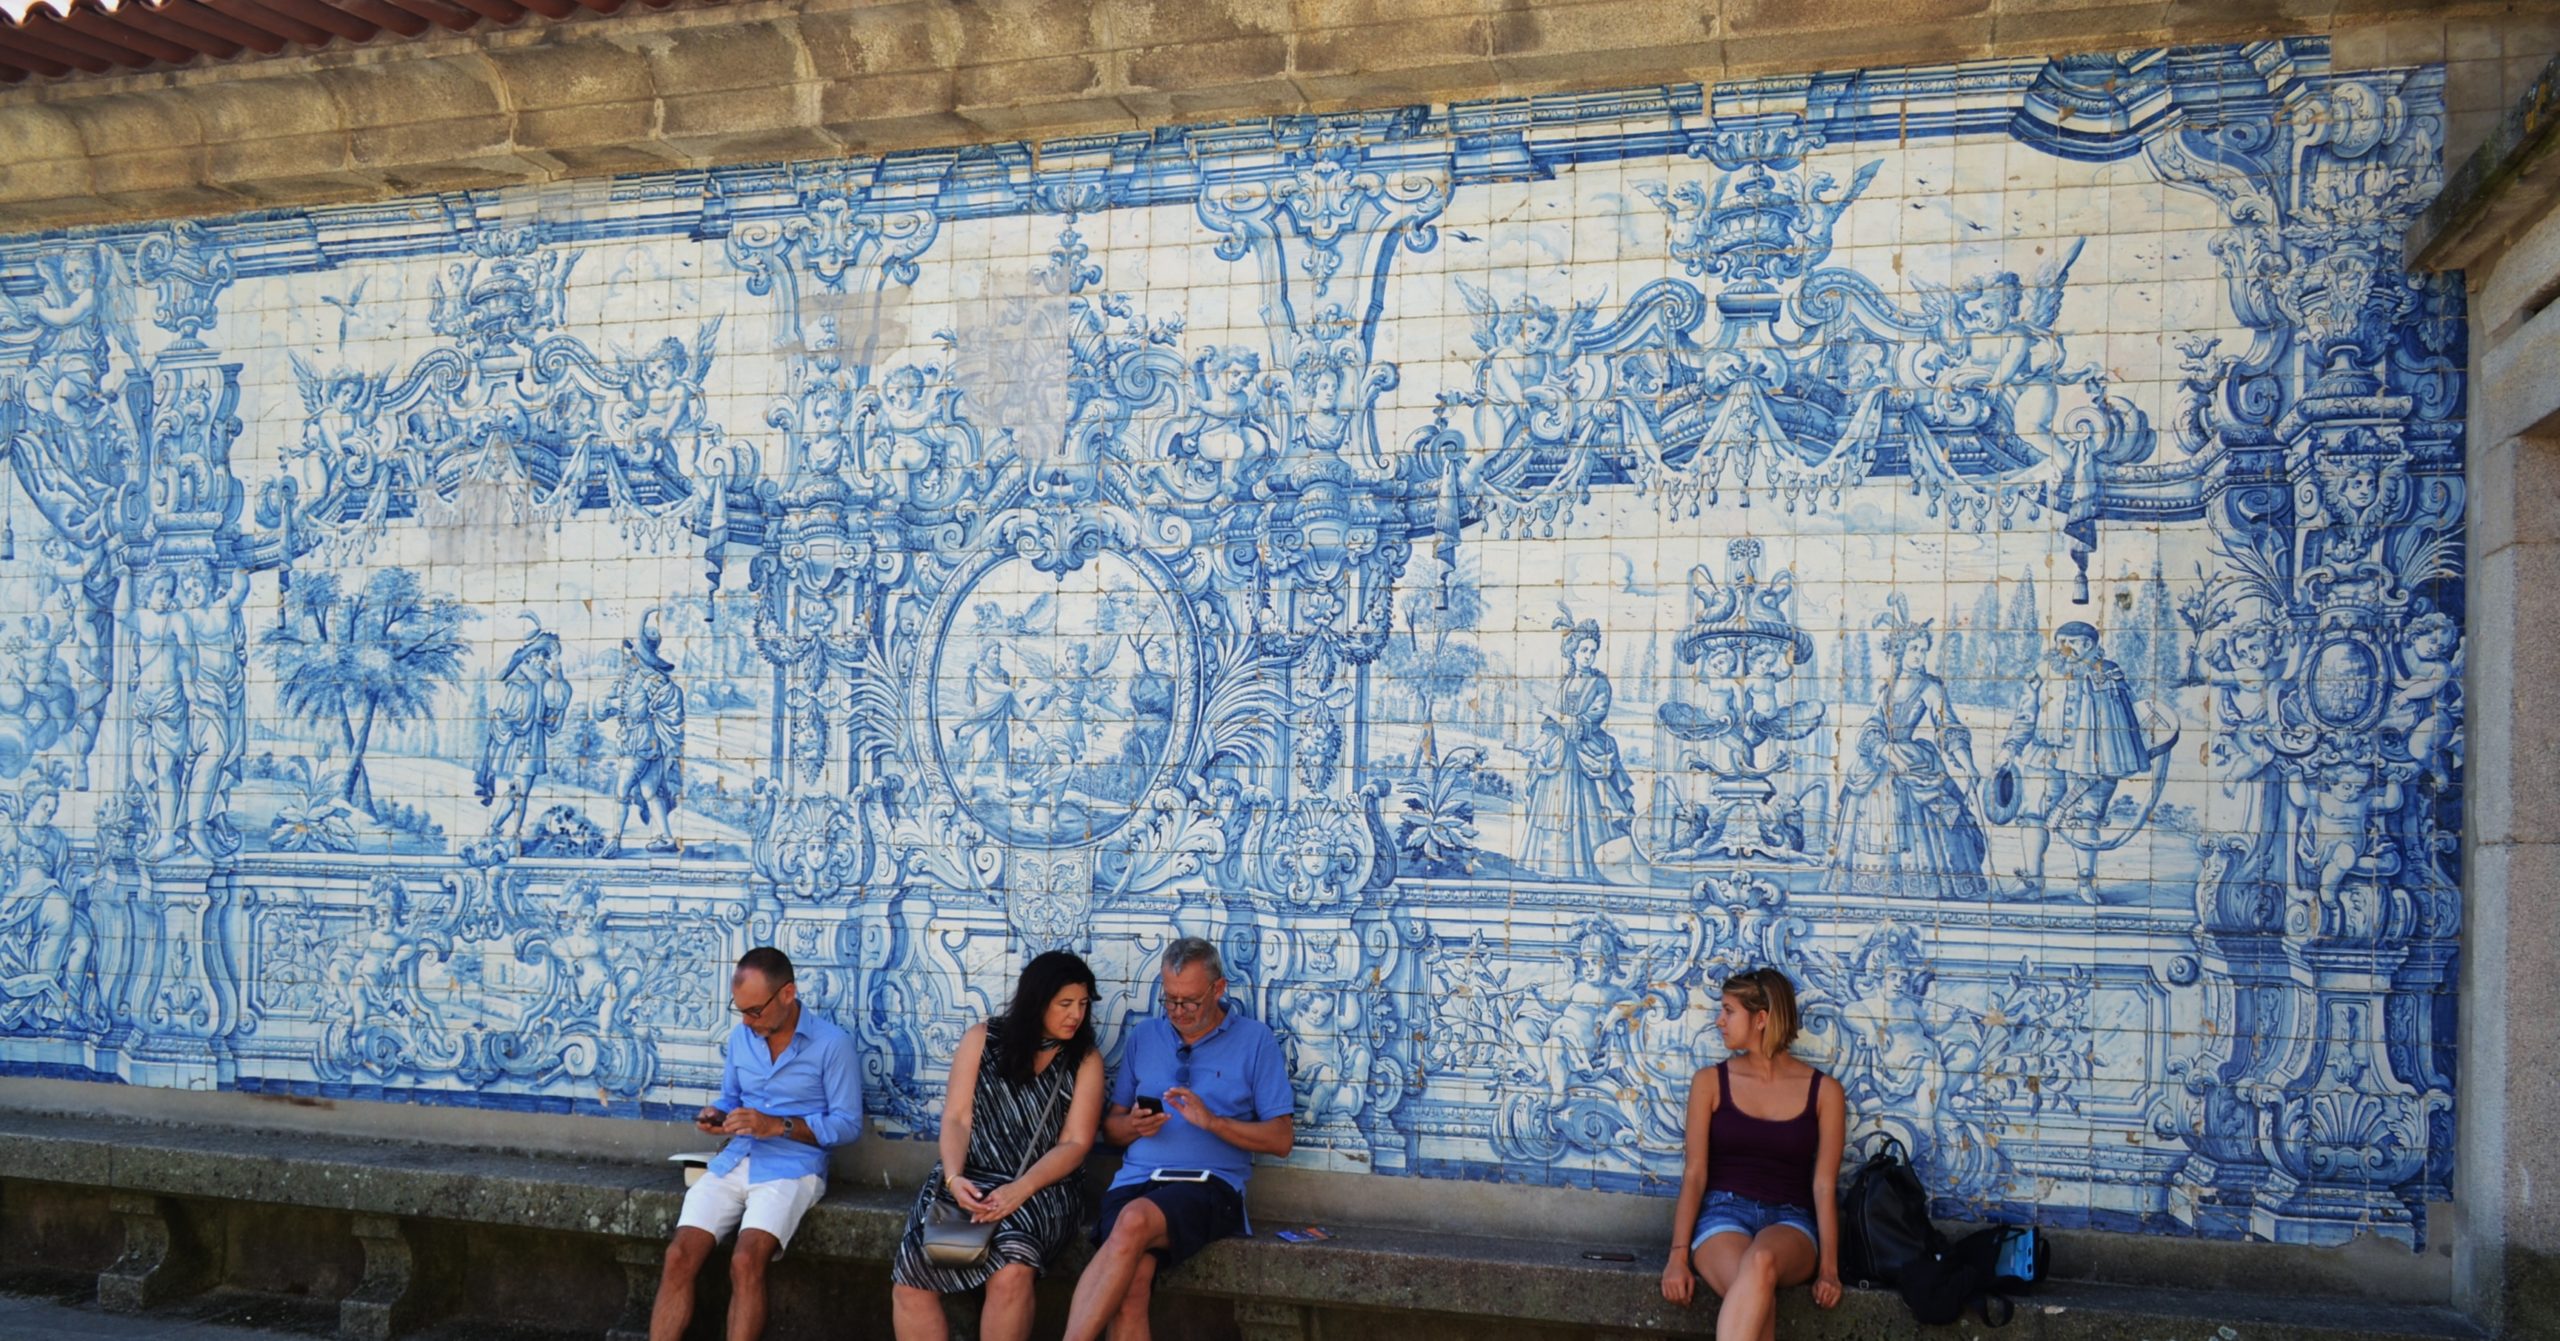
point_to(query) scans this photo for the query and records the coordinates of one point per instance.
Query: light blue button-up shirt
(817, 1079)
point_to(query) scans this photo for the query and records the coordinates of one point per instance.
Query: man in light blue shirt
(790, 1090)
(1201, 1090)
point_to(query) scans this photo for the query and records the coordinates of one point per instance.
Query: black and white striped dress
(1006, 1132)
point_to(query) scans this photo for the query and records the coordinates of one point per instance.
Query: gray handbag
(950, 1238)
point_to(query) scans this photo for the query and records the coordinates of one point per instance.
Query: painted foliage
(1987, 539)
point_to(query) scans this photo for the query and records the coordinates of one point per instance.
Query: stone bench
(417, 1220)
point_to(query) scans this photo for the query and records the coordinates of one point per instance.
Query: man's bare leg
(1111, 1278)
(685, 1256)
(747, 1264)
(1132, 1322)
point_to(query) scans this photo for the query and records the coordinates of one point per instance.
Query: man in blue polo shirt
(790, 1089)
(1200, 1092)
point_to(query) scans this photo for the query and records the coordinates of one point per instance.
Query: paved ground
(46, 1309)
(27, 1318)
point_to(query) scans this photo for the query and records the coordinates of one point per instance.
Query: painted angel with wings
(84, 309)
(663, 403)
(1056, 703)
(1996, 340)
(1531, 379)
(343, 436)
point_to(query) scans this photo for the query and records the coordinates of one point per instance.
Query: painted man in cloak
(2078, 734)
(533, 702)
(650, 708)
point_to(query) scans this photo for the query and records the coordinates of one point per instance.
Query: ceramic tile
(1984, 544)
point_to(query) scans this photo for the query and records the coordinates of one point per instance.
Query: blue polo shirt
(816, 1079)
(1238, 1072)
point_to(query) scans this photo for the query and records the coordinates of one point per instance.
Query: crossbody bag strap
(1031, 1157)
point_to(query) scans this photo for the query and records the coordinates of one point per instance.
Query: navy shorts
(1195, 1215)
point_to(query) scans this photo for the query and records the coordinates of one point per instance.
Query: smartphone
(710, 1116)
(1310, 1234)
(1180, 1176)
(1147, 1103)
(1609, 1257)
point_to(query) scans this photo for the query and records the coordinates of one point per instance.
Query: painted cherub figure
(1995, 339)
(828, 461)
(1329, 1057)
(91, 427)
(904, 430)
(1569, 1035)
(1225, 427)
(2340, 803)
(2427, 707)
(663, 403)
(342, 432)
(1530, 380)
(41, 901)
(374, 964)
(600, 972)
(84, 308)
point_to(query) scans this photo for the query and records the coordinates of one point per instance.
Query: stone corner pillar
(2498, 222)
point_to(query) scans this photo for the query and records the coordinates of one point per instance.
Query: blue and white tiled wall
(1987, 539)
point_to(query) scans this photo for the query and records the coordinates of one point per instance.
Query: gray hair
(1191, 950)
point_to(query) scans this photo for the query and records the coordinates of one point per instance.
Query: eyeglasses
(1182, 1067)
(756, 1011)
(1184, 1003)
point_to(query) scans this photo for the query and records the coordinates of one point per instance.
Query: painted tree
(1431, 662)
(2165, 666)
(378, 657)
(2022, 636)
(1990, 648)
(2126, 641)
(1857, 669)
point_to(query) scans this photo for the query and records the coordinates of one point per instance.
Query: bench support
(1263, 1320)
(396, 1294)
(642, 1263)
(161, 1259)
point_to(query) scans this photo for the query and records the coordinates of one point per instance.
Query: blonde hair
(1767, 991)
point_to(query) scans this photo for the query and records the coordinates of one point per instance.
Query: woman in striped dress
(1028, 1083)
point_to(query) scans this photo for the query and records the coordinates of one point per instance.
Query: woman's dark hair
(1018, 1036)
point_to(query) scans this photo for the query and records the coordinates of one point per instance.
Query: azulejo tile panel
(1987, 539)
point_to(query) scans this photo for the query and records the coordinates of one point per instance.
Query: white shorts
(721, 1203)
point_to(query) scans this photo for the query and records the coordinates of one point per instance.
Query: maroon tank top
(1765, 1159)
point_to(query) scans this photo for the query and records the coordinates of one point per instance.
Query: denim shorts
(1734, 1213)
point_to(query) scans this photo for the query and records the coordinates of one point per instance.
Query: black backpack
(1976, 1271)
(1884, 1218)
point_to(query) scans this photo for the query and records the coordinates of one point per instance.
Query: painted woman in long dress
(1905, 826)
(1580, 796)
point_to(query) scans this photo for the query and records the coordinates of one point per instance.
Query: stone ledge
(694, 87)
(2505, 185)
(1359, 1274)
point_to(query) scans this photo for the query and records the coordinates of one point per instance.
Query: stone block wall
(2495, 223)
(765, 79)
(1987, 538)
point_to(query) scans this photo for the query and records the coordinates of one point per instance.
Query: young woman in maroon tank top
(1758, 1208)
